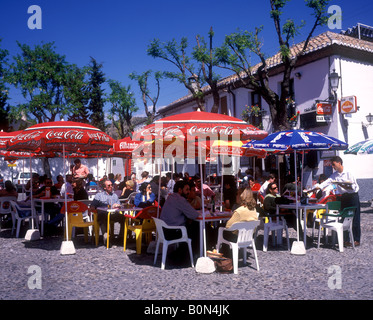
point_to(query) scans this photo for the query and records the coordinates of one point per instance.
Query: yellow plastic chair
(143, 223)
(75, 211)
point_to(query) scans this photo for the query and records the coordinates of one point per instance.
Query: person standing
(347, 189)
(79, 170)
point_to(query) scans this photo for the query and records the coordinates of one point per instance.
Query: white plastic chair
(130, 199)
(160, 225)
(17, 219)
(5, 207)
(276, 227)
(333, 207)
(342, 223)
(245, 239)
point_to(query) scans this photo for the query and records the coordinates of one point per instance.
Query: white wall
(357, 80)
(56, 166)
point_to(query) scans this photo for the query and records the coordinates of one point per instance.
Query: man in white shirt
(67, 187)
(348, 192)
(170, 183)
(263, 189)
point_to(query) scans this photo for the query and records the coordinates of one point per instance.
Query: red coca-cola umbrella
(201, 128)
(61, 136)
(201, 124)
(125, 145)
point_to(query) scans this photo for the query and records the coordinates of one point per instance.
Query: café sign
(324, 109)
(348, 105)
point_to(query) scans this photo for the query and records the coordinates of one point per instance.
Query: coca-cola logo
(97, 136)
(65, 135)
(26, 136)
(221, 130)
(160, 131)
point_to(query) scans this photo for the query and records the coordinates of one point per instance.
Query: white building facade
(329, 52)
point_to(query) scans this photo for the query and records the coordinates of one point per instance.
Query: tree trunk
(46, 166)
(216, 98)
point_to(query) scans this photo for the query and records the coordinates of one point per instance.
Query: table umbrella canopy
(293, 140)
(362, 147)
(200, 124)
(235, 148)
(5, 137)
(125, 145)
(53, 136)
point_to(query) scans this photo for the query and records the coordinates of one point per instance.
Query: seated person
(178, 212)
(60, 182)
(104, 199)
(9, 190)
(229, 192)
(80, 193)
(246, 211)
(263, 189)
(193, 199)
(41, 192)
(53, 209)
(238, 198)
(145, 197)
(128, 189)
(67, 186)
(270, 202)
(207, 192)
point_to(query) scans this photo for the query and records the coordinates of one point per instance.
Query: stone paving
(95, 273)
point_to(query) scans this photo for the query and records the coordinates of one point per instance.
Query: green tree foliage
(186, 73)
(235, 53)
(123, 105)
(42, 75)
(96, 95)
(77, 94)
(143, 83)
(4, 90)
(205, 54)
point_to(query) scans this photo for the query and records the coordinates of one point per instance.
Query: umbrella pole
(159, 188)
(203, 214)
(32, 234)
(67, 246)
(298, 247)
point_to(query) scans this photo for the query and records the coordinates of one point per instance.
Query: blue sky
(117, 33)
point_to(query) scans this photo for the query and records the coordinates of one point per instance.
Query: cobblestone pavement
(101, 274)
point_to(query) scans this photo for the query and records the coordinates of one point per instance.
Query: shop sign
(324, 109)
(348, 105)
(322, 118)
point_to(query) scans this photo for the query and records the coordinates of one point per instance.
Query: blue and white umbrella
(293, 141)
